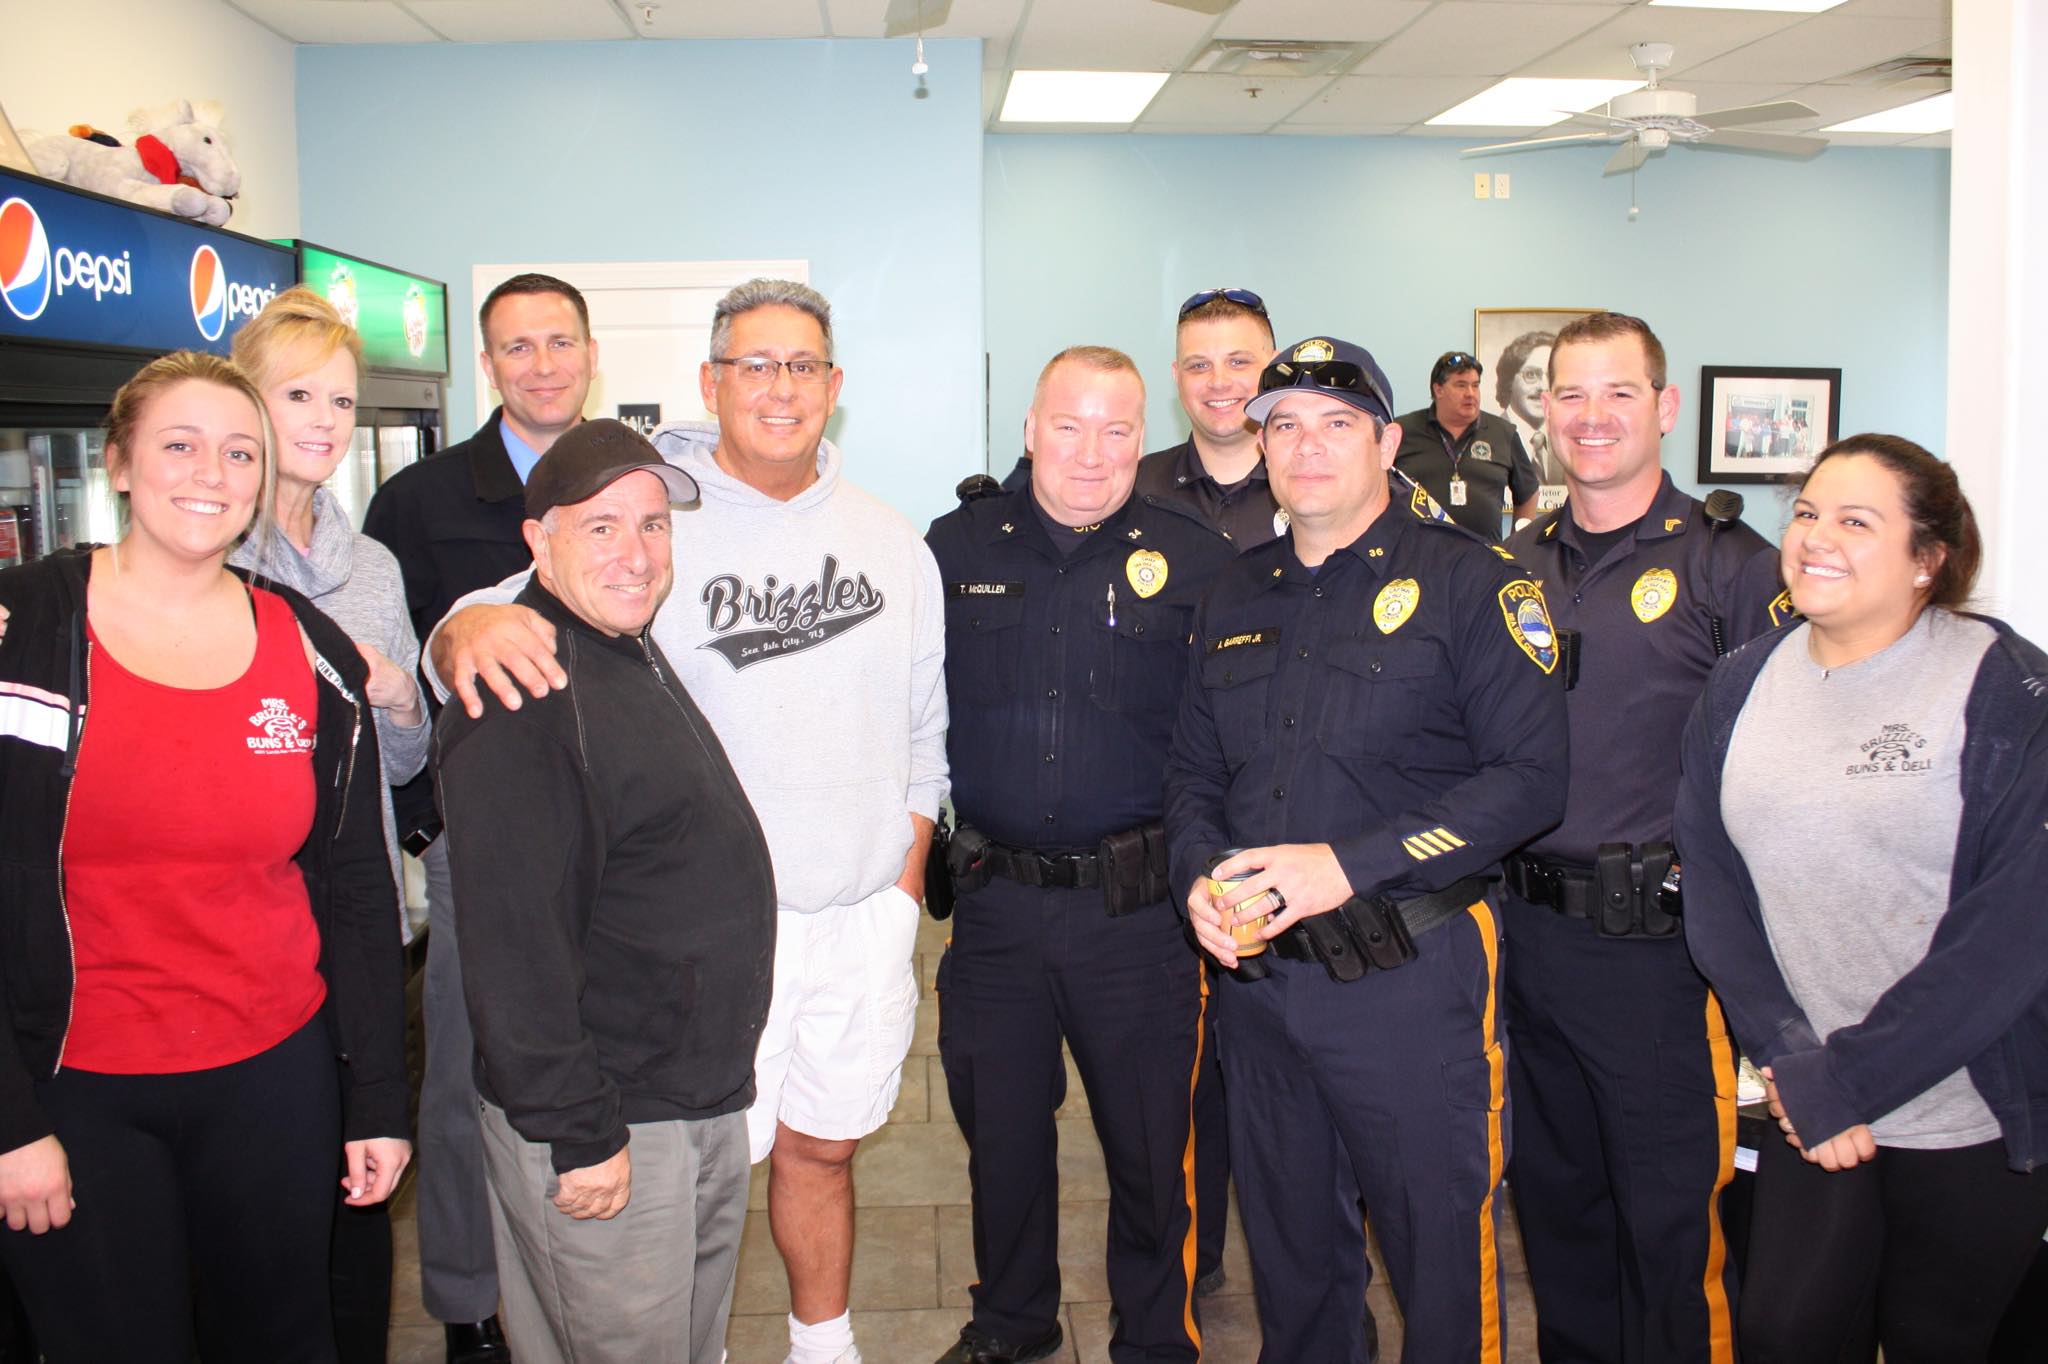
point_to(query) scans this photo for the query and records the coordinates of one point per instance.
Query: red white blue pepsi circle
(25, 274)
(209, 293)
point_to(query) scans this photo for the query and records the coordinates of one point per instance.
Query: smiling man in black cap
(618, 914)
(1371, 722)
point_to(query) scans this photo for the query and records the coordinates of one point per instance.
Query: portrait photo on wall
(1765, 425)
(1514, 345)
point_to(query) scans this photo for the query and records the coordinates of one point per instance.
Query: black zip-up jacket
(616, 899)
(45, 684)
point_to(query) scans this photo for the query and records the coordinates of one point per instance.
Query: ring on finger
(1279, 900)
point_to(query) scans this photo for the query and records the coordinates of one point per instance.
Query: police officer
(1221, 341)
(1472, 462)
(1623, 1076)
(1068, 604)
(1371, 723)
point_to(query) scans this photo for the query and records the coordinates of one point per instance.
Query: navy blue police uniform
(1623, 1073)
(1064, 668)
(1245, 511)
(1399, 703)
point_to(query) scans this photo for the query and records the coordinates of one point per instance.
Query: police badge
(1146, 570)
(1480, 449)
(1653, 594)
(1315, 351)
(1395, 603)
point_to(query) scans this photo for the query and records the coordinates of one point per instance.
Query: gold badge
(1146, 569)
(1395, 603)
(1310, 352)
(1653, 594)
(1521, 604)
(1281, 520)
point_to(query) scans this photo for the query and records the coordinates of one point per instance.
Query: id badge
(1457, 492)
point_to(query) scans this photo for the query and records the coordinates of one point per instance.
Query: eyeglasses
(1243, 298)
(759, 371)
(1449, 363)
(1338, 374)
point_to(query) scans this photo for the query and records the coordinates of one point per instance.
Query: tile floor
(912, 1257)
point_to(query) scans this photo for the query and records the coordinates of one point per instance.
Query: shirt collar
(522, 455)
(1375, 548)
(1187, 467)
(1669, 514)
(1018, 521)
(490, 468)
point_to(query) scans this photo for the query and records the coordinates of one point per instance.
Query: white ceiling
(1423, 56)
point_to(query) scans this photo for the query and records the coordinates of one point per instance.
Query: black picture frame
(1765, 423)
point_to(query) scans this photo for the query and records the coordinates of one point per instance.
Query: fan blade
(1756, 113)
(1777, 144)
(1599, 120)
(1527, 143)
(1632, 155)
(905, 17)
(1201, 6)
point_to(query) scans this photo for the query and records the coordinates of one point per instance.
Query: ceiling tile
(1837, 103)
(751, 19)
(1387, 99)
(1481, 38)
(992, 19)
(1072, 35)
(1699, 35)
(1824, 46)
(1246, 128)
(1899, 9)
(1339, 129)
(1201, 98)
(322, 21)
(864, 18)
(522, 21)
(1355, 21)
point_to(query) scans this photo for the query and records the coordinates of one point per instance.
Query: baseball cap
(1324, 365)
(591, 456)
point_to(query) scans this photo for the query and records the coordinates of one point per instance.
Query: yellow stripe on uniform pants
(1489, 1251)
(1720, 1325)
(1187, 1166)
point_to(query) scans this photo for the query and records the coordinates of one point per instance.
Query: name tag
(1247, 639)
(985, 589)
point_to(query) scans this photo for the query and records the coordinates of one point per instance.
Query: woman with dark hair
(195, 916)
(1860, 825)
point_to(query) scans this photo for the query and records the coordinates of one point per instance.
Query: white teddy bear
(179, 163)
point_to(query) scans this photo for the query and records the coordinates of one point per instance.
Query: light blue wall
(1735, 260)
(436, 157)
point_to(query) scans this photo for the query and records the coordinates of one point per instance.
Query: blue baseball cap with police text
(1333, 368)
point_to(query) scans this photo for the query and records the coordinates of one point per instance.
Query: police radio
(1723, 509)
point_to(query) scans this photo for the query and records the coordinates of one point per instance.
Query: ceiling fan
(1651, 119)
(905, 17)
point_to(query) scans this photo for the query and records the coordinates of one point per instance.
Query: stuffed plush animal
(179, 163)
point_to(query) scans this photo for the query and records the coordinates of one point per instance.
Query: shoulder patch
(1528, 622)
(1782, 608)
(1425, 506)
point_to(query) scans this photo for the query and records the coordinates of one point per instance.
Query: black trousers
(1025, 968)
(1917, 1251)
(1624, 1085)
(1212, 1152)
(221, 1182)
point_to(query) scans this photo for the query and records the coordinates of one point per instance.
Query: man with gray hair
(809, 626)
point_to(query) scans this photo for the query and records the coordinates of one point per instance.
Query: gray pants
(458, 1275)
(652, 1285)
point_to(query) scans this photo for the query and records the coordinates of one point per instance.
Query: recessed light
(1530, 102)
(1936, 114)
(1774, 6)
(1079, 96)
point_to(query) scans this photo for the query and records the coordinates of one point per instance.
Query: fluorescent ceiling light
(1529, 102)
(1777, 6)
(1934, 115)
(1079, 96)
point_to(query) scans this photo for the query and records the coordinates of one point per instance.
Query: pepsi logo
(209, 293)
(25, 273)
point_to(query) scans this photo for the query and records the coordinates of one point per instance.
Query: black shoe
(975, 1348)
(1210, 1284)
(478, 1342)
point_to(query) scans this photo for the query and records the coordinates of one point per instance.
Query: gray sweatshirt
(356, 583)
(812, 635)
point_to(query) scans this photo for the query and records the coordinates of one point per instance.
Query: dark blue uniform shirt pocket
(1238, 681)
(984, 637)
(1141, 671)
(1376, 692)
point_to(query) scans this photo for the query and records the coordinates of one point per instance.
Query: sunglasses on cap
(1337, 374)
(1450, 362)
(1243, 298)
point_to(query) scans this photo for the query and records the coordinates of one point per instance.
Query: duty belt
(1565, 888)
(1418, 915)
(1631, 892)
(1031, 867)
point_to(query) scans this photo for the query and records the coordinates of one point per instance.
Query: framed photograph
(1763, 425)
(1514, 346)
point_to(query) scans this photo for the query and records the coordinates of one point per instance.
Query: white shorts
(839, 1022)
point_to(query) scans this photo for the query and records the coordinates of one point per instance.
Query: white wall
(62, 64)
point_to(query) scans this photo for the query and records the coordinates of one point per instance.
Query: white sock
(820, 1342)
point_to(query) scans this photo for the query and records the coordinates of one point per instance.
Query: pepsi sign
(80, 268)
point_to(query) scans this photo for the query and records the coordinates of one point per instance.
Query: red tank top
(190, 924)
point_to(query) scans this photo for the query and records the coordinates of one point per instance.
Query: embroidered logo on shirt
(1480, 449)
(785, 618)
(1890, 752)
(1653, 594)
(282, 732)
(1782, 609)
(1521, 603)
(1146, 570)
(1395, 603)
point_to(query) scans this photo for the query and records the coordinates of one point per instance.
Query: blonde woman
(196, 908)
